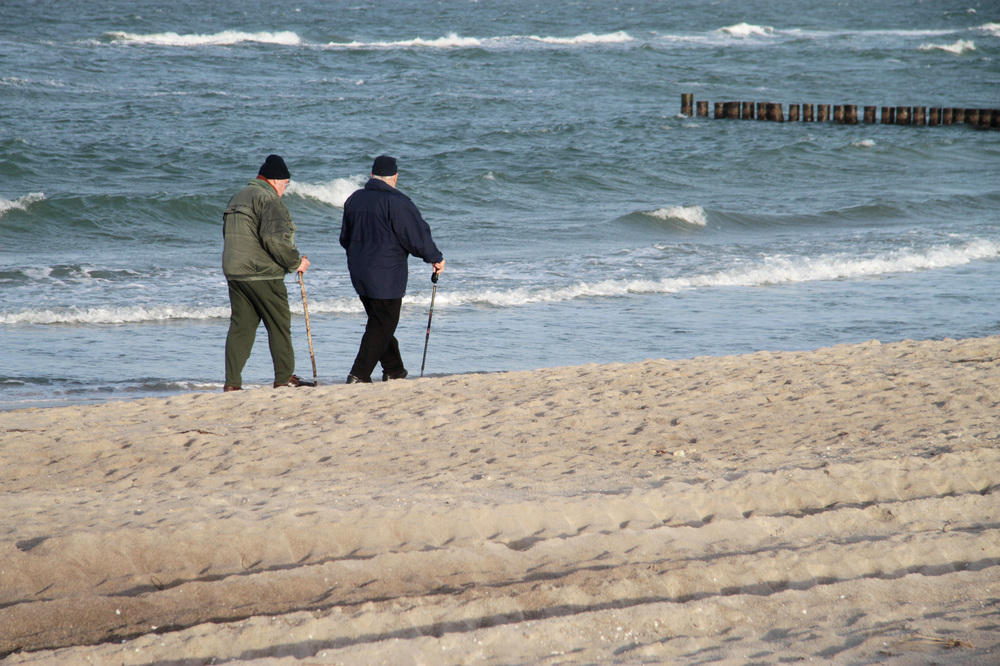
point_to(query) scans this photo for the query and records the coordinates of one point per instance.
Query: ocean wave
(753, 34)
(224, 38)
(112, 315)
(454, 41)
(96, 316)
(992, 29)
(21, 203)
(334, 193)
(785, 270)
(450, 41)
(768, 271)
(693, 215)
(76, 273)
(740, 31)
(906, 33)
(619, 37)
(772, 270)
(958, 48)
(747, 30)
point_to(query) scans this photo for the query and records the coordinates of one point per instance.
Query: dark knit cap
(384, 166)
(274, 168)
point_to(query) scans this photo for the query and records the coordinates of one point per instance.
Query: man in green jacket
(259, 251)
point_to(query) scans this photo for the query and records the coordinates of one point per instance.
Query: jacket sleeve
(277, 235)
(345, 230)
(413, 232)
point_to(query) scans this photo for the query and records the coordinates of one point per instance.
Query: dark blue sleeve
(345, 230)
(413, 232)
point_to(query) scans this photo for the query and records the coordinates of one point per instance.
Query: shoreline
(839, 503)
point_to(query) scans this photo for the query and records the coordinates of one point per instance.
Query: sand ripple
(838, 504)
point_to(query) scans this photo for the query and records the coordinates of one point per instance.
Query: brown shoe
(294, 381)
(227, 388)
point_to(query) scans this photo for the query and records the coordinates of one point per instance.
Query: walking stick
(305, 308)
(434, 279)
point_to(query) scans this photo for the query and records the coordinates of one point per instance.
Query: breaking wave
(990, 29)
(224, 38)
(454, 41)
(449, 41)
(747, 30)
(693, 215)
(156, 313)
(767, 271)
(21, 203)
(958, 48)
(334, 193)
(619, 37)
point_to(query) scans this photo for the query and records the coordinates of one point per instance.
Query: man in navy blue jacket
(381, 228)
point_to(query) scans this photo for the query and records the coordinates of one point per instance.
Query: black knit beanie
(384, 166)
(274, 168)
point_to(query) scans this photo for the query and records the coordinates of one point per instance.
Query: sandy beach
(834, 505)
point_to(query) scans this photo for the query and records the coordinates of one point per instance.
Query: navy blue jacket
(381, 228)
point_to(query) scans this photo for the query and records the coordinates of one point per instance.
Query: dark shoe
(294, 381)
(227, 388)
(351, 379)
(399, 374)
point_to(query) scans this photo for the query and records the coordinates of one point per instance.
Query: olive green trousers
(251, 302)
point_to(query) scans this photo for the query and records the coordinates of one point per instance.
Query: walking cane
(305, 308)
(434, 279)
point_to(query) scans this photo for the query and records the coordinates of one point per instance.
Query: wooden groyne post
(844, 114)
(687, 104)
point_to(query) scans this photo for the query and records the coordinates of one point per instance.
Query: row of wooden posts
(846, 114)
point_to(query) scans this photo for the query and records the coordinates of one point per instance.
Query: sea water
(584, 219)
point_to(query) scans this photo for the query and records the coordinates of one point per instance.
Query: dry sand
(837, 505)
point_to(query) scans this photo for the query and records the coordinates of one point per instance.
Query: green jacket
(259, 235)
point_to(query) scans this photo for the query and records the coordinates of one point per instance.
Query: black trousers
(379, 345)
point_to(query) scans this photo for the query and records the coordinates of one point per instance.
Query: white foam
(329, 306)
(773, 270)
(905, 33)
(768, 271)
(450, 41)
(748, 30)
(108, 315)
(990, 29)
(619, 37)
(863, 143)
(693, 215)
(224, 38)
(158, 313)
(21, 203)
(781, 270)
(334, 193)
(454, 41)
(958, 48)
(756, 34)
